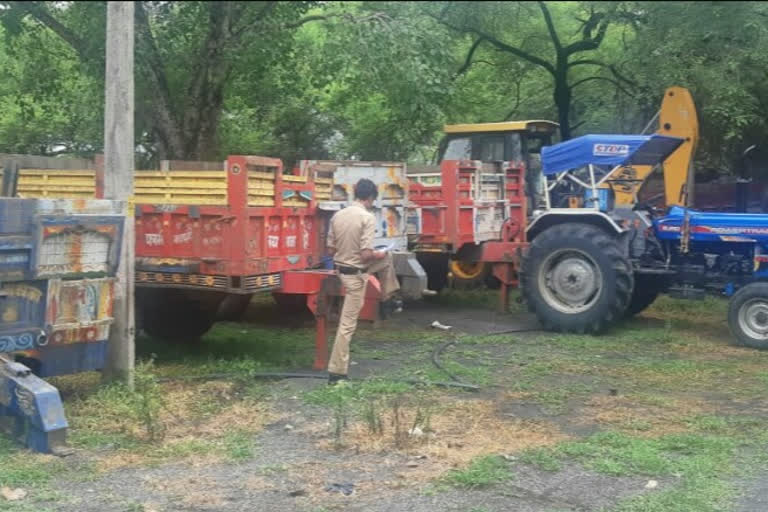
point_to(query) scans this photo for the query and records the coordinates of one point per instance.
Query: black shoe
(390, 307)
(335, 378)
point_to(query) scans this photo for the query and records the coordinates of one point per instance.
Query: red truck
(209, 236)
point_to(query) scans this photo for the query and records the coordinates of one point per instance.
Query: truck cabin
(512, 141)
(517, 142)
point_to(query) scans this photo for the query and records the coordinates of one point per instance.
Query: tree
(718, 51)
(186, 55)
(490, 26)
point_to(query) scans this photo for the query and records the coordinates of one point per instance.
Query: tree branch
(258, 19)
(154, 69)
(605, 78)
(550, 27)
(468, 60)
(375, 16)
(588, 42)
(517, 102)
(610, 67)
(44, 17)
(577, 125)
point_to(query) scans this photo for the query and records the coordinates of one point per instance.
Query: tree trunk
(562, 98)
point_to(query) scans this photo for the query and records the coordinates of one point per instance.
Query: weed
(482, 472)
(148, 399)
(238, 446)
(542, 459)
(372, 416)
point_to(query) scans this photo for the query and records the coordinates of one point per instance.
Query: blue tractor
(591, 263)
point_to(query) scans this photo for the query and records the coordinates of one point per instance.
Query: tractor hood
(609, 150)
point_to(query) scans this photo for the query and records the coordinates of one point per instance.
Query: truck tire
(172, 315)
(748, 315)
(290, 302)
(468, 275)
(647, 289)
(435, 265)
(575, 279)
(233, 307)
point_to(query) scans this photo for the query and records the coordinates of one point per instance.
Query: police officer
(350, 243)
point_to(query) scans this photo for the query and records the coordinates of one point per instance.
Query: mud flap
(31, 409)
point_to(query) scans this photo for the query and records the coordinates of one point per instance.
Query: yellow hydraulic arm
(677, 118)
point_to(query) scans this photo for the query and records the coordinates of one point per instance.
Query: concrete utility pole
(118, 180)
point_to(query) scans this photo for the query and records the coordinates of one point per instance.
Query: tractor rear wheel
(748, 315)
(576, 279)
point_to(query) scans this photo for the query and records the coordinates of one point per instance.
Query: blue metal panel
(714, 227)
(72, 358)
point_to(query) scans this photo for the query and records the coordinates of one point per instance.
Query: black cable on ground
(289, 375)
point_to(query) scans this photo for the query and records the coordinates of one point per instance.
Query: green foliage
(376, 80)
(482, 472)
(616, 454)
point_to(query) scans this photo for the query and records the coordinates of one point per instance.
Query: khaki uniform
(352, 230)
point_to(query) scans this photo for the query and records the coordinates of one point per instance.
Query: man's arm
(367, 253)
(330, 240)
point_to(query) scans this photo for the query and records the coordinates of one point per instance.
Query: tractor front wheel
(748, 315)
(576, 279)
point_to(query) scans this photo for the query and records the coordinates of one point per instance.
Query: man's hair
(366, 189)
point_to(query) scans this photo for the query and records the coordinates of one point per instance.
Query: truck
(58, 260)
(210, 235)
(484, 171)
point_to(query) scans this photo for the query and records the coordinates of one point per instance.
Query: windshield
(458, 149)
(534, 177)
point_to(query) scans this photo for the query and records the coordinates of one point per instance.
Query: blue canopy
(609, 150)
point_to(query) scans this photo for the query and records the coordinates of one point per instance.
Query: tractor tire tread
(622, 274)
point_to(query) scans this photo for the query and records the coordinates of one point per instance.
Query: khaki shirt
(351, 231)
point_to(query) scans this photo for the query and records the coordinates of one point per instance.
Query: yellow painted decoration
(23, 291)
(10, 314)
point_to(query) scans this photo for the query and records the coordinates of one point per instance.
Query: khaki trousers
(354, 298)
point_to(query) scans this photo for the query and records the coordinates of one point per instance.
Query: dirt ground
(537, 392)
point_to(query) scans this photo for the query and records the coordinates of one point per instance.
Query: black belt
(349, 271)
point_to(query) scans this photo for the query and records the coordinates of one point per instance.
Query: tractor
(591, 262)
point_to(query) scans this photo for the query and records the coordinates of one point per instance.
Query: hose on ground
(291, 375)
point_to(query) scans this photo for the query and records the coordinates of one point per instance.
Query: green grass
(20, 468)
(617, 454)
(232, 348)
(481, 472)
(698, 463)
(694, 495)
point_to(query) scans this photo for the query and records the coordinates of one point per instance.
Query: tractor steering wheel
(648, 206)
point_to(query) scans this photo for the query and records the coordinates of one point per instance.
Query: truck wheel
(233, 307)
(468, 275)
(175, 317)
(290, 302)
(647, 288)
(575, 279)
(748, 315)
(435, 265)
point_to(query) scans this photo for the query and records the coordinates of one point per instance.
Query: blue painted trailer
(58, 260)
